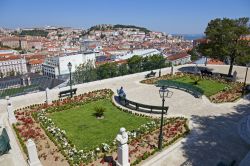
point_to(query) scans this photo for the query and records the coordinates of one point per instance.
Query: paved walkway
(214, 137)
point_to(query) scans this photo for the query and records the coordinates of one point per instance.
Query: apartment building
(12, 65)
(57, 67)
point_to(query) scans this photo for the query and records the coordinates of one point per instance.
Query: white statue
(123, 152)
(122, 137)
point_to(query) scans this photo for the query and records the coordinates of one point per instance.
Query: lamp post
(160, 73)
(244, 86)
(70, 83)
(164, 92)
(205, 61)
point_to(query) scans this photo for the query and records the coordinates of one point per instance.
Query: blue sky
(170, 16)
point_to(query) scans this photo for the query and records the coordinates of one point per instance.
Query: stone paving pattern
(214, 136)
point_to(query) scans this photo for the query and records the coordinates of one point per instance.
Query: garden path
(214, 137)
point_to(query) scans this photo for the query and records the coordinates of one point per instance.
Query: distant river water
(193, 36)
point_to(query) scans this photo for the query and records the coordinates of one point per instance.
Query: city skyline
(180, 17)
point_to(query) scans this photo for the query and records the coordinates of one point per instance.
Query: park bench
(67, 92)
(195, 91)
(151, 74)
(142, 107)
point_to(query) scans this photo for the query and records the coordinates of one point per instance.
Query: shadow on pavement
(192, 68)
(216, 141)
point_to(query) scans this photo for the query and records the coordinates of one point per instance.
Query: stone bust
(122, 137)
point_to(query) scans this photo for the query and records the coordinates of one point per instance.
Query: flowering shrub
(139, 138)
(229, 94)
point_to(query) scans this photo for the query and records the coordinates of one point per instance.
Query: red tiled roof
(215, 62)
(121, 61)
(3, 55)
(177, 56)
(13, 57)
(36, 61)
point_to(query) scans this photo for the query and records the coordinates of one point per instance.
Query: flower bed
(216, 89)
(54, 147)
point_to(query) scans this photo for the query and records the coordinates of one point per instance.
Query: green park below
(208, 86)
(87, 132)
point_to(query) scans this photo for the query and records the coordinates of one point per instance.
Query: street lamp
(164, 92)
(70, 67)
(244, 86)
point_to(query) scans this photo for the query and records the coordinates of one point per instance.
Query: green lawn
(87, 132)
(210, 87)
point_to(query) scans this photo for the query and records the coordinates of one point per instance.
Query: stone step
(244, 129)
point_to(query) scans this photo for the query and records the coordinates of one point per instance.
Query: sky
(170, 16)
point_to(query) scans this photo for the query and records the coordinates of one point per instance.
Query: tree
(194, 54)
(243, 60)
(123, 69)
(107, 70)
(157, 61)
(225, 39)
(134, 64)
(85, 73)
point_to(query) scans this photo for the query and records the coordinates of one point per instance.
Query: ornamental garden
(217, 90)
(82, 130)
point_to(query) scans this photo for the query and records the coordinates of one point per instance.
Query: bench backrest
(144, 106)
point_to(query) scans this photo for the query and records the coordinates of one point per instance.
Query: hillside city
(159, 83)
(46, 51)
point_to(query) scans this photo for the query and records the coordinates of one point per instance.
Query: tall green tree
(194, 54)
(107, 70)
(85, 73)
(123, 69)
(135, 64)
(225, 39)
(157, 61)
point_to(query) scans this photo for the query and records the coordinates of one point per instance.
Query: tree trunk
(231, 66)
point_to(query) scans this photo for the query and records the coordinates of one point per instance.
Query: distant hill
(35, 32)
(117, 26)
(131, 26)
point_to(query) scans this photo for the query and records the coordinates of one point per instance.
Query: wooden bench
(67, 92)
(142, 107)
(151, 74)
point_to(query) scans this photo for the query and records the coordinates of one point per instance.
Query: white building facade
(142, 53)
(12, 66)
(57, 67)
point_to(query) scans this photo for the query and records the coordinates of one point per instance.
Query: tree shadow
(191, 69)
(216, 141)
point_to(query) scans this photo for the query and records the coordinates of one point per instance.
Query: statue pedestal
(172, 70)
(33, 157)
(48, 97)
(123, 158)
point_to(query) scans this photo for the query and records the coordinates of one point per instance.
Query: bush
(99, 111)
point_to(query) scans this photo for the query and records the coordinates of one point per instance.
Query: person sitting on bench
(121, 93)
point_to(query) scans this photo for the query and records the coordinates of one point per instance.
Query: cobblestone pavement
(213, 139)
